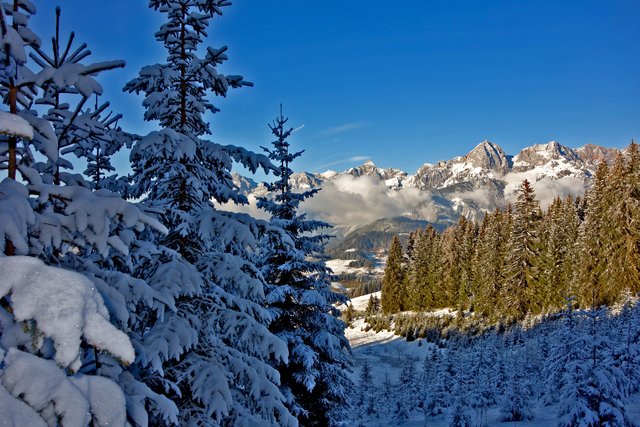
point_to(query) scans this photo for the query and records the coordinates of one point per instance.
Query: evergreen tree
(488, 264)
(482, 394)
(419, 291)
(521, 277)
(451, 268)
(365, 400)
(516, 405)
(460, 416)
(592, 386)
(560, 354)
(621, 231)
(301, 300)
(217, 366)
(590, 284)
(407, 389)
(71, 227)
(626, 354)
(394, 294)
(373, 306)
(559, 232)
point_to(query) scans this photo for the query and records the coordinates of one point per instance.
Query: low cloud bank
(350, 200)
(355, 201)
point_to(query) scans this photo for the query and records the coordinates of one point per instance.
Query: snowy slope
(386, 354)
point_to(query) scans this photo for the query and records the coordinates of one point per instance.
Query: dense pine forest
(524, 261)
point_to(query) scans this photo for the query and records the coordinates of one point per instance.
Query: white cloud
(362, 200)
(545, 189)
(250, 209)
(356, 201)
(343, 128)
(484, 199)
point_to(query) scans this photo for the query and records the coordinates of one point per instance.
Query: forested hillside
(578, 368)
(524, 261)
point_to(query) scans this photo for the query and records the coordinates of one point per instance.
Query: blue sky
(403, 82)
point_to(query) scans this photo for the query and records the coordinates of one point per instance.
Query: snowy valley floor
(386, 353)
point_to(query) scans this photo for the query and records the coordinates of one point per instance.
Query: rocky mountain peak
(541, 154)
(305, 180)
(466, 185)
(370, 169)
(593, 155)
(246, 185)
(488, 155)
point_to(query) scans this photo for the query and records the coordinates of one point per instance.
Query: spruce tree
(516, 404)
(523, 253)
(589, 283)
(373, 306)
(621, 231)
(559, 232)
(488, 264)
(394, 294)
(217, 366)
(592, 386)
(301, 300)
(419, 290)
(54, 215)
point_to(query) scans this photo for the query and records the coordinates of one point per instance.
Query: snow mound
(65, 306)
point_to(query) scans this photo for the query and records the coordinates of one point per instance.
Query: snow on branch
(56, 398)
(14, 125)
(66, 308)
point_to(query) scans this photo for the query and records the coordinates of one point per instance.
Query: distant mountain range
(480, 181)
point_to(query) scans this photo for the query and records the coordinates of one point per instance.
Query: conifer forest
(145, 297)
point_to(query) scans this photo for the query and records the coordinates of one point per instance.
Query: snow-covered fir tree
(315, 379)
(521, 275)
(593, 387)
(53, 214)
(516, 402)
(214, 352)
(407, 390)
(365, 403)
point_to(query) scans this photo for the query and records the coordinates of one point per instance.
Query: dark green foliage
(522, 261)
(373, 306)
(523, 255)
(393, 287)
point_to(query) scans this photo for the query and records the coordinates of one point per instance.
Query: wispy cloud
(343, 128)
(298, 128)
(341, 161)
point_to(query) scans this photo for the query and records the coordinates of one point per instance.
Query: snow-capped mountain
(470, 185)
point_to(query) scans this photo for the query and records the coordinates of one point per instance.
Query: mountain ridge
(472, 184)
(486, 161)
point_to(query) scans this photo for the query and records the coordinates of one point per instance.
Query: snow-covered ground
(341, 266)
(386, 354)
(385, 351)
